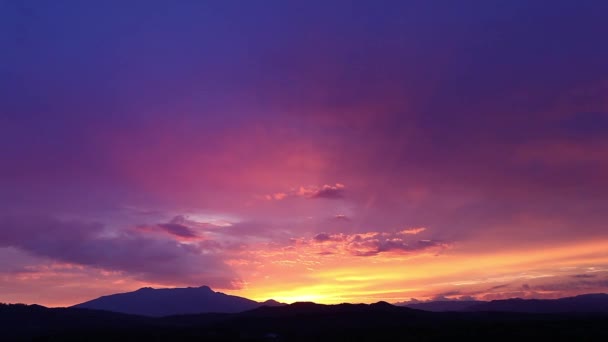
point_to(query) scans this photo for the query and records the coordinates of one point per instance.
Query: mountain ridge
(151, 302)
(301, 321)
(148, 301)
(586, 303)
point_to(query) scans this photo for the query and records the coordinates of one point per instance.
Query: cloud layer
(374, 243)
(140, 255)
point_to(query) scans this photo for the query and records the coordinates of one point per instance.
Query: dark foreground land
(298, 322)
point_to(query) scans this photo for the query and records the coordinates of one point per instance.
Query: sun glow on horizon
(456, 273)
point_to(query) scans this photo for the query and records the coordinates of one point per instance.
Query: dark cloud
(578, 284)
(323, 237)
(193, 225)
(326, 191)
(450, 296)
(584, 276)
(87, 243)
(178, 230)
(400, 244)
(473, 294)
(497, 287)
(370, 244)
(329, 192)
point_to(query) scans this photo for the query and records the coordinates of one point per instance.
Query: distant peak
(592, 295)
(305, 304)
(272, 302)
(147, 288)
(382, 303)
(205, 288)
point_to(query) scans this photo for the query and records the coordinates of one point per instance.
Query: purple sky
(282, 149)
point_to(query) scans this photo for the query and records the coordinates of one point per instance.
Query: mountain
(183, 301)
(589, 303)
(176, 301)
(298, 322)
(443, 305)
(20, 321)
(272, 302)
(310, 308)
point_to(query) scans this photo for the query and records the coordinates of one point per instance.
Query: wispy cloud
(326, 191)
(152, 258)
(374, 243)
(412, 231)
(178, 230)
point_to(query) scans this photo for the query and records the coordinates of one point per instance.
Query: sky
(327, 151)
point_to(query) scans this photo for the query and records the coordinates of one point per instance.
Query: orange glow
(301, 275)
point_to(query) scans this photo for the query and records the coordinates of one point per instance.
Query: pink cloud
(335, 191)
(412, 231)
(150, 258)
(374, 243)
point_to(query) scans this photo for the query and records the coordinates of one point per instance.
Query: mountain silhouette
(174, 301)
(589, 303)
(310, 308)
(301, 322)
(443, 305)
(22, 322)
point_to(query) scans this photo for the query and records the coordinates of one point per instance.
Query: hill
(444, 305)
(297, 322)
(588, 303)
(175, 301)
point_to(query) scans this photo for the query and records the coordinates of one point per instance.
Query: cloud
(450, 296)
(445, 296)
(583, 276)
(341, 217)
(407, 302)
(498, 287)
(326, 191)
(550, 287)
(374, 243)
(276, 196)
(178, 230)
(208, 225)
(323, 237)
(584, 285)
(183, 228)
(155, 259)
(412, 231)
(329, 191)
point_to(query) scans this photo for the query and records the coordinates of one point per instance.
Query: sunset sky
(327, 151)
